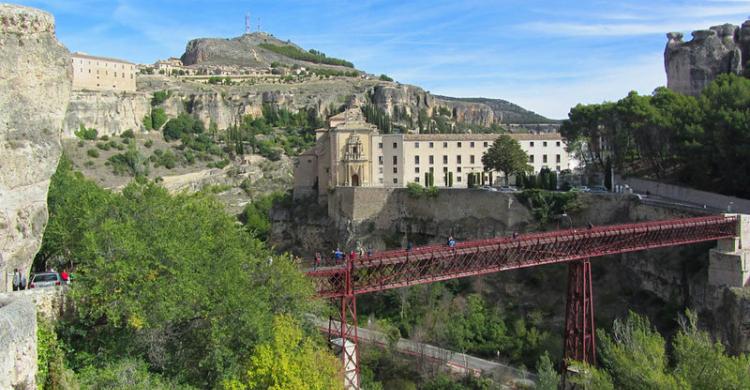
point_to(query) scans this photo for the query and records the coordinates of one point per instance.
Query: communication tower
(248, 24)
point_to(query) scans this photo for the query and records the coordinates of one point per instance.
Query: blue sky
(544, 55)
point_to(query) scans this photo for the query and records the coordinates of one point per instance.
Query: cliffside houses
(102, 73)
(351, 152)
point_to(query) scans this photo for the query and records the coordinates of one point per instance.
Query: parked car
(45, 279)
(579, 189)
(507, 189)
(488, 188)
(598, 189)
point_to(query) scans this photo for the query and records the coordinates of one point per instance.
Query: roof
(84, 55)
(483, 137)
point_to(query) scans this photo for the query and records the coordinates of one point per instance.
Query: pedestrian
(16, 280)
(23, 280)
(316, 262)
(369, 251)
(408, 246)
(352, 255)
(451, 242)
(65, 277)
(515, 235)
(338, 255)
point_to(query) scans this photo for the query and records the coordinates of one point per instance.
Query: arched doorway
(355, 180)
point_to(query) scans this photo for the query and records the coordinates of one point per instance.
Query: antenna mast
(258, 23)
(248, 26)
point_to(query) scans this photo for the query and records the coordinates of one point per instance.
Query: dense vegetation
(312, 55)
(634, 356)
(703, 142)
(506, 156)
(170, 291)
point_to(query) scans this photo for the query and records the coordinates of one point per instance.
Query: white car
(45, 279)
(488, 188)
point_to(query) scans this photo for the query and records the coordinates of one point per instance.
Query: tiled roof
(82, 55)
(482, 137)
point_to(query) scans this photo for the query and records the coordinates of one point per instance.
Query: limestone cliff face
(35, 86)
(692, 65)
(108, 112)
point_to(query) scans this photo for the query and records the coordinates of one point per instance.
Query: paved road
(456, 361)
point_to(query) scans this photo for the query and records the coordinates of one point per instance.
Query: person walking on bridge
(338, 255)
(316, 262)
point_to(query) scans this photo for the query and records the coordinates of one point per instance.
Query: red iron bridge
(433, 263)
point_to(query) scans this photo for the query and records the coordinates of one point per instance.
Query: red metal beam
(433, 263)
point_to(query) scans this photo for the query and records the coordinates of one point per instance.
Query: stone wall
(110, 113)
(689, 195)
(18, 344)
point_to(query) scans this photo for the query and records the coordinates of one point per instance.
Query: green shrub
(415, 190)
(89, 164)
(218, 164)
(104, 138)
(159, 98)
(52, 371)
(125, 374)
(131, 162)
(103, 146)
(158, 118)
(384, 78)
(127, 134)
(81, 143)
(92, 153)
(311, 56)
(87, 134)
(149, 143)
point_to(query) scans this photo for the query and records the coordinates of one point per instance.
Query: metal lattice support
(580, 337)
(349, 340)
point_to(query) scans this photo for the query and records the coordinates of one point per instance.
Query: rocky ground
(235, 184)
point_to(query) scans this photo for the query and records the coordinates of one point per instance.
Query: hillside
(507, 111)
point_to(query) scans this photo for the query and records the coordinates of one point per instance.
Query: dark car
(598, 189)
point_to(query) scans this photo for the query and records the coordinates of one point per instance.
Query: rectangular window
(395, 160)
(416, 179)
(445, 169)
(471, 159)
(458, 169)
(395, 170)
(380, 180)
(432, 144)
(531, 159)
(416, 170)
(531, 144)
(544, 144)
(395, 181)
(432, 160)
(471, 144)
(432, 170)
(557, 168)
(458, 159)
(380, 145)
(445, 144)
(380, 160)
(485, 144)
(380, 170)
(458, 178)
(445, 159)
(416, 145)
(544, 159)
(395, 145)
(557, 144)
(459, 144)
(557, 158)
(416, 159)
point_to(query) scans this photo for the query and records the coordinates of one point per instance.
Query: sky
(546, 56)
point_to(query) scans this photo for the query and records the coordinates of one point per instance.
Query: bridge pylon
(348, 342)
(580, 332)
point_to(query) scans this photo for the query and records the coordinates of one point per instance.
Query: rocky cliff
(108, 112)
(34, 93)
(694, 64)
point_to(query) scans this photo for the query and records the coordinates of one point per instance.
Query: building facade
(102, 74)
(353, 153)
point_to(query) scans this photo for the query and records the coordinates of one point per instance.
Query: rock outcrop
(692, 65)
(109, 113)
(35, 86)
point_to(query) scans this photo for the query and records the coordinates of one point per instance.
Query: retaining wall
(685, 194)
(18, 343)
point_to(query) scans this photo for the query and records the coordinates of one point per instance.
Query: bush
(92, 153)
(87, 134)
(310, 56)
(81, 143)
(384, 78)
(127, 134)
(159, 98)
(149, 143)
(125, 374)
(104, 138)
(131, 162)
(52, 371)
(103, 146)
(158, 118)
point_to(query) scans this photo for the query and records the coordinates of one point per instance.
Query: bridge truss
(427, 264)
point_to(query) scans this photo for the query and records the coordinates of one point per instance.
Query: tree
(289, 362)
(549, 379)
(506, 156)
(635, 356)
